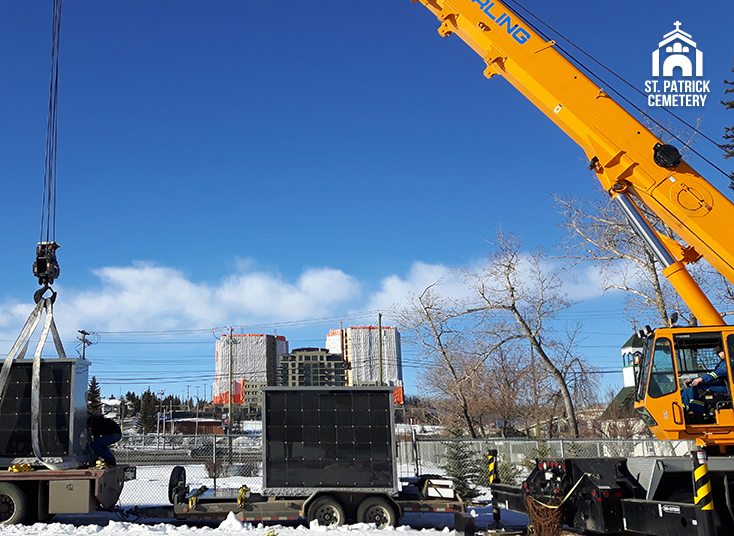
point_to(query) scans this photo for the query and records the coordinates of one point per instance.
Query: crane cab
(671, 359)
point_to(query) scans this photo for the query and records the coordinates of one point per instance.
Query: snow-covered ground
(108, 524)
(152, 484)
(104, 524)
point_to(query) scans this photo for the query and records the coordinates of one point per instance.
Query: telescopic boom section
(621, 150)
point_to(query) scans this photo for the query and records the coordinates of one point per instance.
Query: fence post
(511, 457)
(214, 461)
(493, 478)
(415, 453)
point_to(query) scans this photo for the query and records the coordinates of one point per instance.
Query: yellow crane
(635, 168)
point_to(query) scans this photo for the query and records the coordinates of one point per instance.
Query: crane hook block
(46, 267)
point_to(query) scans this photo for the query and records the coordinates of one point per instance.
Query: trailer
(329, 455)
(38, 494)
(52, 476)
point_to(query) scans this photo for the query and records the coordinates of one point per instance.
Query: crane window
(662, 373)
(695, 352)
(644, 368)
(730, 352)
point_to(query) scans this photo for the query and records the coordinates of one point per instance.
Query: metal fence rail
(231, 461)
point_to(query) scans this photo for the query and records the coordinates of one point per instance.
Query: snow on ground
(151, 487)
(107, 524)
(103, 524)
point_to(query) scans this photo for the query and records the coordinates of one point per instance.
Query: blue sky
(283, 166)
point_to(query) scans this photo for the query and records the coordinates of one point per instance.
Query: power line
(619, 93)
(245, 327)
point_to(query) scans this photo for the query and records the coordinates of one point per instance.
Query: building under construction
(244, 364)
(372, 355)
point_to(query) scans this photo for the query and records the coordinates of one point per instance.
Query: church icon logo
(677, 50)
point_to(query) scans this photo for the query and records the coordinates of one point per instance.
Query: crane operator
(714, 382)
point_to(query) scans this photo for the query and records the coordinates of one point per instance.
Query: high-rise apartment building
(306, 367)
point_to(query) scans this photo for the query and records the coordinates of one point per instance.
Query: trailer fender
(108, 486)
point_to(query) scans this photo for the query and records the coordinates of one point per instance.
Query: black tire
(13, 504)
(377, 511)
(327, 510)
(176, 483)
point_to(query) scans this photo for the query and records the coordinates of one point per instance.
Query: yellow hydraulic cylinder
(692, 294)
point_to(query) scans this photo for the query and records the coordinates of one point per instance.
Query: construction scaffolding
(249, 361)
(373, 355)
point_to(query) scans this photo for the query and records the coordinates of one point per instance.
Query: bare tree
(456, 355)
(497, 356)
(506, 387)
(524, 291)
(598, 232)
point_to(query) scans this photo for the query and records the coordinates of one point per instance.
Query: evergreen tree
(147, 417)
(728, 147)
(133, 403)
(94, 397)
(462, 468)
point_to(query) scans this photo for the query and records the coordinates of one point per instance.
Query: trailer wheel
(176, 484)
(327, 511)
(13, 504)
(378, 511)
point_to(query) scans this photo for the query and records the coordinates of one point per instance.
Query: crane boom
(635, 167)
(621, 150)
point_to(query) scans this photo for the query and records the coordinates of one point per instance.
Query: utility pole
(379, 344)
(229, 397)
(158, 422)
(230, 419)
(536, 398)
(85, 342)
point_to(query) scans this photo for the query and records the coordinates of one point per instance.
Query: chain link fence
(210, 460)
(517, 457)
(236, 460)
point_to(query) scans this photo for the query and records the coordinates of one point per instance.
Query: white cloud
(394, 289)
(145, 296)
(262, 296)
(583, 282)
